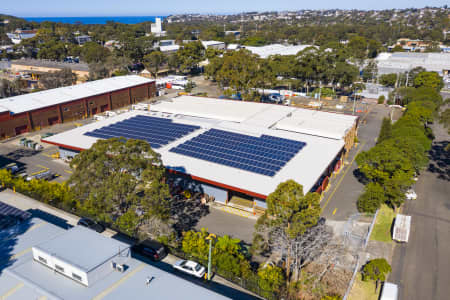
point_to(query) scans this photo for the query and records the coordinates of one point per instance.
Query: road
(422, 266)
(339, 201)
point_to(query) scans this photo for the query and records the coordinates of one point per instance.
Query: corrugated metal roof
(33, 101)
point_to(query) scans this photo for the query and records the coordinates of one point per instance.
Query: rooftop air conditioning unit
(120, 268)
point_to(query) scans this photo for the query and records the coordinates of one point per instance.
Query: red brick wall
(120, 99)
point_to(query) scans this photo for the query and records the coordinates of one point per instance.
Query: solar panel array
(264, 155)
(156, 131)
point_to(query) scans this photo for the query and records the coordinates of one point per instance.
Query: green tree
(94, 53)
(385, 165)
(445, 118)
(57, 79)
(376, 270)
(190, 56)
(289, 215)
(389, 80)
(357, 47)
(430, 80)
(370, 71)
(385, 131)
(372, 198)
(154, 61)
(117, 178)
(271, 278)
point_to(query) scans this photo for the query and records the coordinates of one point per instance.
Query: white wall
(68, 269)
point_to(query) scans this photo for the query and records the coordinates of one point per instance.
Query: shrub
(371, 199)
(381, 99)
(271, 278)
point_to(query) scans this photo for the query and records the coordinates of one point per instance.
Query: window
(66, 109)
(77, 277)
(43, 260)
(59, 268)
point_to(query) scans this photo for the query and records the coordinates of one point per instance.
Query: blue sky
(63, 8)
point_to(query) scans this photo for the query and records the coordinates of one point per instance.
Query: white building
(99, 257)
(276, 49)
(19, 34)
(156, 28)
(213, 45)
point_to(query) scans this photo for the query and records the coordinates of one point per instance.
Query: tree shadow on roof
(52, 219)
(8, 240)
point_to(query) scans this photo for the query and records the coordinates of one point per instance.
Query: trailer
(402, 227)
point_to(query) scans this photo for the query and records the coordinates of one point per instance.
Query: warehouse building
(33, 111)
(400, 62)
(44, 261)
(236, 152)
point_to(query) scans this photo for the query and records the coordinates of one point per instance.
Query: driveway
(422, 266)
(339, 201)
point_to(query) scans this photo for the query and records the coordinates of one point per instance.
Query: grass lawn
(382, 229)
(362, 290)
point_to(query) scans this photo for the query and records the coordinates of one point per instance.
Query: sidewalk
(67, 220)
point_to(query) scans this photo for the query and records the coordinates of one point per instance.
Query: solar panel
(157, 132)
(264, 155)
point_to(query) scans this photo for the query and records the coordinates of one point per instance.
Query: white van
(390, 291)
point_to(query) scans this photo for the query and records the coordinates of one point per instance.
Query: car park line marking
(343, 176)
(119, 282)
(12, 291)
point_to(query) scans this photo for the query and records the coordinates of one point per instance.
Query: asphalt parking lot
(35, 161)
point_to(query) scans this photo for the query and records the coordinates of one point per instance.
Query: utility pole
(210, 237)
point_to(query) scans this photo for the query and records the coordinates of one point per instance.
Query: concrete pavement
(422, 266)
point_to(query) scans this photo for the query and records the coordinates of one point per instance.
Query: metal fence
(348, 236)
(250, 283)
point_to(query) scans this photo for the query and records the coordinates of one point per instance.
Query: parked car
(151, 249)
(91, 224)
(411, 195)
(12, 167)
(390, 291)
(47, 175)
(190, 267)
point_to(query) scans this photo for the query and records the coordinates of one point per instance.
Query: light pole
(210, 237)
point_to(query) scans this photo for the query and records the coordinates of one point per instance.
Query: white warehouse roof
(405, 61)
(276, 49)
(252, 119)
(33, 101)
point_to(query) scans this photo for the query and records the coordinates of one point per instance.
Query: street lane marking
(68, 171)
(334, 211)
(119, 282)
(343, 176)
(21, 253)
(12, 291)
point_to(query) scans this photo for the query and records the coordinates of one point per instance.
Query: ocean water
(95, 20)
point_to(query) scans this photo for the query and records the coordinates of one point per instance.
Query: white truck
(390, 291)
(402, 226)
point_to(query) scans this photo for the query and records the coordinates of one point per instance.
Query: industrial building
(40, 260)
(276, 49)
(32, 111)
(400, 62)
(231, 149)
